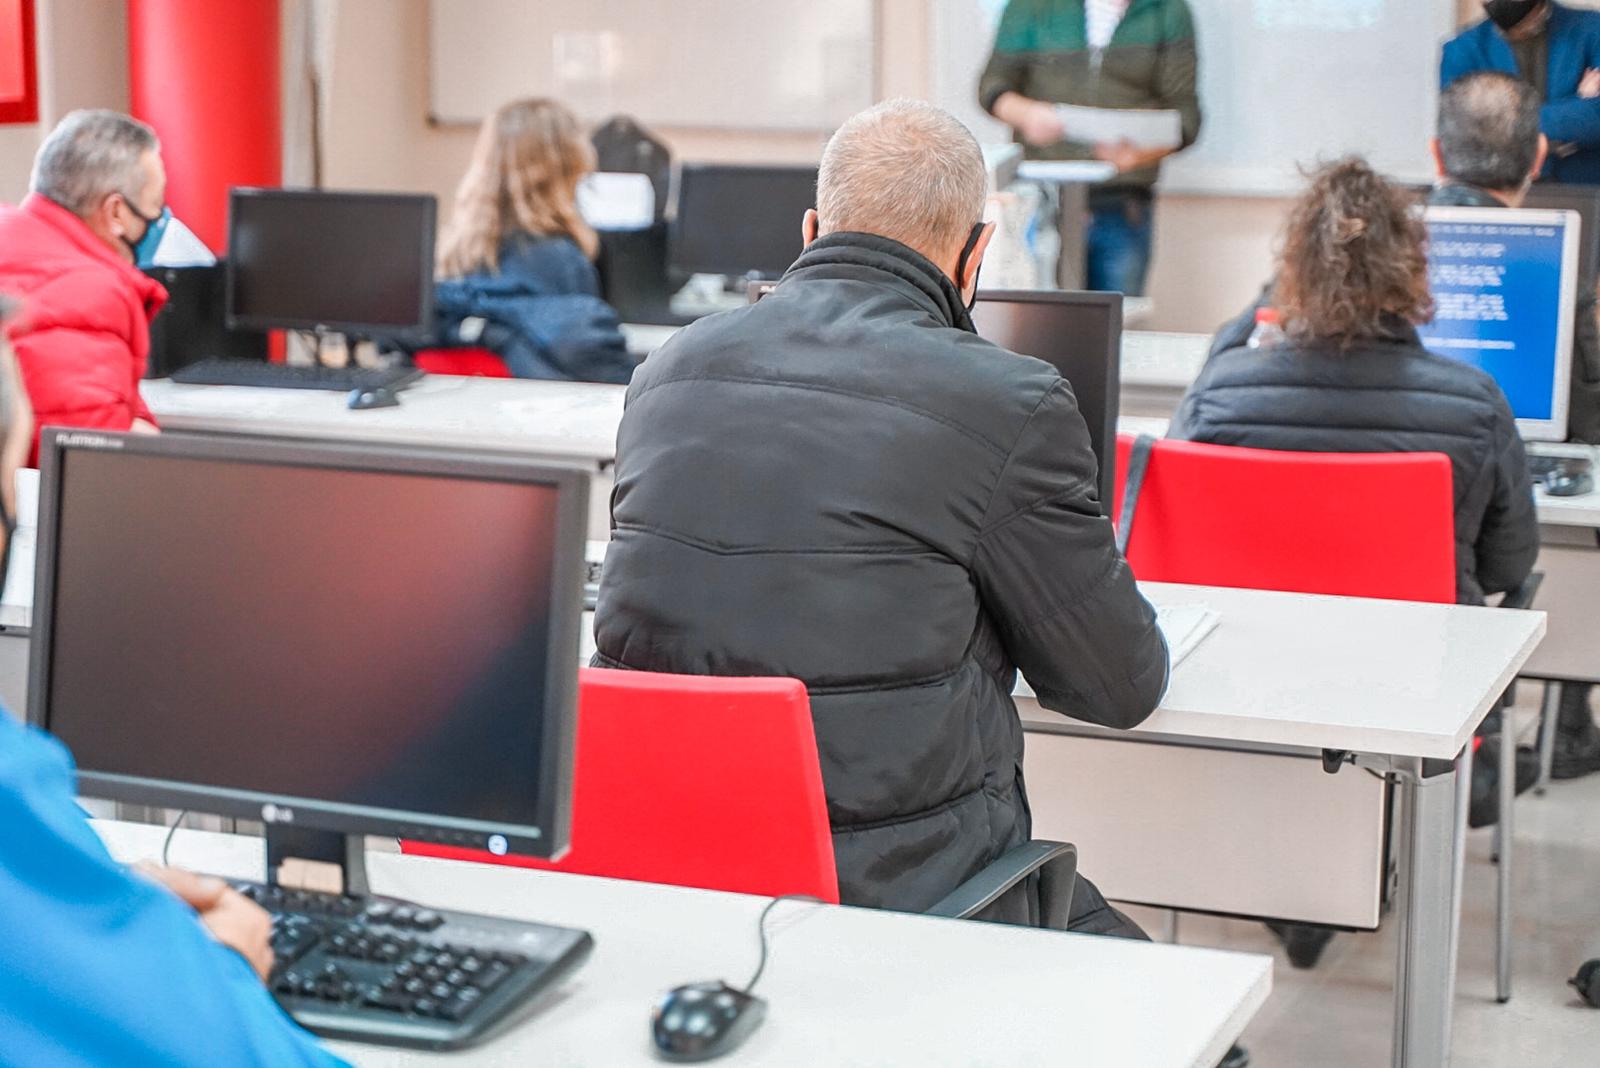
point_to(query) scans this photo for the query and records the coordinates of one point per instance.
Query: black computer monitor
(1080, 334)
(356, 263)
(336, 638)
(1583, 199)
(737, 220)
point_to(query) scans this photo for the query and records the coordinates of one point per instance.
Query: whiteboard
(1283, 84)
(774, 65)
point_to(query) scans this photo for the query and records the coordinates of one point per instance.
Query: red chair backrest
(480, 363)
(696, 781)
(1352, 524)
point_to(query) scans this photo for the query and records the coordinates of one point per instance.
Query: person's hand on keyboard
(233, 919)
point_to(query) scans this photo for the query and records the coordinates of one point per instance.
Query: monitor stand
(302, 859)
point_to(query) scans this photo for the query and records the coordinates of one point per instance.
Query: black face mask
(1506, 14)
(961, 264)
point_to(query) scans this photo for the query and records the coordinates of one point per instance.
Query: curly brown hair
(1354, 257)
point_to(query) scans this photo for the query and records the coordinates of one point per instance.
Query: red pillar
(206, 75)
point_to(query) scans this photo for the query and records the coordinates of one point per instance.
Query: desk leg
(1505, 830)
(1072, 223)
(1432, 846)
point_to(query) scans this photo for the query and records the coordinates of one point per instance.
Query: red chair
(479, 363)
(694, 780)
(1354, 524)
(1351, 524)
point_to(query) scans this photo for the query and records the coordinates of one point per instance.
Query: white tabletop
(559, 420)
(1397, 678)
(844, 985)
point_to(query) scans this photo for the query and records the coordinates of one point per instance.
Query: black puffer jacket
(1385, 394)
(845, 485)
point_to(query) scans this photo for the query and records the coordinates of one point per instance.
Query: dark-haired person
(100, 965)
(1104, 54)
(1488, 150)
(1352, 375)
(1555, 49)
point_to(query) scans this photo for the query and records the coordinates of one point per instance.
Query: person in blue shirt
(100, 964)
(1555, 49)
(516, 262)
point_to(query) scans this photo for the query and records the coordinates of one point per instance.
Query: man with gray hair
(844, 484)
(68, 250)
(1488, 150)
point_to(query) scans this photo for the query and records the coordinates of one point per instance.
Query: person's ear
(1539, 157)
(1438, 157)
(969, 276)
(808, 227)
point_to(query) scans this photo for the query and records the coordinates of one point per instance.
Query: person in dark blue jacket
(1555, 49)
(99, 964)
(516, 270)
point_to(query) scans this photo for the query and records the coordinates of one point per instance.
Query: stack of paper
(1140, 127)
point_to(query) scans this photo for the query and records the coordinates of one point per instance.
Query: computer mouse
(381, 397)
(1568, 482)
(699, 1021)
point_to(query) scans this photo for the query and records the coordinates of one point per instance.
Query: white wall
(82, 62)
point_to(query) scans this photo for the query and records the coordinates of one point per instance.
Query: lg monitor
(1504, 285)
(739, 221)
(359, 264)
(327, 638)
(1080, 335)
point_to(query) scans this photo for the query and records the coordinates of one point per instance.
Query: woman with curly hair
(1351, 375)
(516, 261)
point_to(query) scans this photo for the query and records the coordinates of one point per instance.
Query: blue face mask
(144, 250)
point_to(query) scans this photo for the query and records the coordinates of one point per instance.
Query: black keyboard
(1541, 467)
(215, 371)
(379, 970)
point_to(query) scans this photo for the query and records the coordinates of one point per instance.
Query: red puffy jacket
(83, 336)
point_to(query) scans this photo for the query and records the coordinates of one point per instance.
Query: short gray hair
(905, 170)
(1489, 130)
(90, 155)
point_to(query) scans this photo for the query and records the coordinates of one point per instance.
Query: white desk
(844, 985)
(1394, 682)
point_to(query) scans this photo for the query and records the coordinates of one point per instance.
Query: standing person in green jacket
(1098, 53)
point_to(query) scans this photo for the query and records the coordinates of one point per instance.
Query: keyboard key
(425, 1007)
(427, 919)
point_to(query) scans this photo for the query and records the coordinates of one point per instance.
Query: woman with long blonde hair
(516, 260)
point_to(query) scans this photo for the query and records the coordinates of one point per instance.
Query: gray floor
(1339, 1014)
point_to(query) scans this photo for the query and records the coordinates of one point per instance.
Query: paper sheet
(1140, 127)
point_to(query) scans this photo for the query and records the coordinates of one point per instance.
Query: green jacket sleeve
(1007, 69)
(1178, 75)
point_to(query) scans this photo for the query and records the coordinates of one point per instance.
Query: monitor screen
(259, 623)
(1080, 334)
(360, 263)
(1504, 286)
(737, 220)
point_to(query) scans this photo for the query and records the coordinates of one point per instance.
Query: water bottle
(1269, 329)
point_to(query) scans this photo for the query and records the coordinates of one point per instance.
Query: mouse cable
(761, 932)
(167, 845)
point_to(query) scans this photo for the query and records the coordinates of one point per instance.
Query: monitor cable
(166, 845)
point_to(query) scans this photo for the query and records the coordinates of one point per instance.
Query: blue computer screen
(1498, 304)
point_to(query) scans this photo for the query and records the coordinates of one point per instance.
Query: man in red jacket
(83, 338)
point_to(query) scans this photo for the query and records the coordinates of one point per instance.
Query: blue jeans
(1121, 229)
